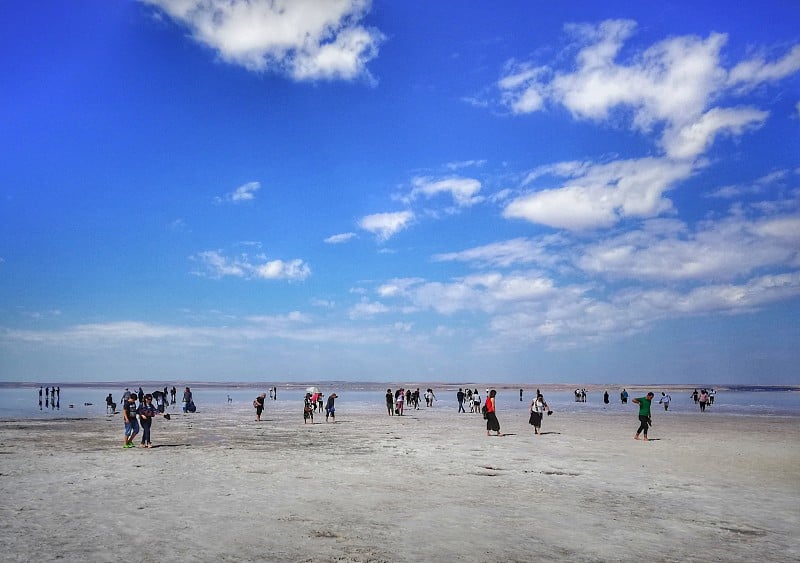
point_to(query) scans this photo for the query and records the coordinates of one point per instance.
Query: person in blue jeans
(131, 423)
(146, 413)
(330, 408)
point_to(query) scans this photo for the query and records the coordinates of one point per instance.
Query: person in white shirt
(665, 399)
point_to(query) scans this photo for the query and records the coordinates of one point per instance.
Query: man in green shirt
(644, 414)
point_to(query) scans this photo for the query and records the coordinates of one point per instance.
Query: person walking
(644, 414)
(538, 408)
(460, 399)
(703, 399)
(400, 396)
(665, 400)
(492, 424)
(131, 423)
(258, 403)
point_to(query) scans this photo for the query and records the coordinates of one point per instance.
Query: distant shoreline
(379, 385)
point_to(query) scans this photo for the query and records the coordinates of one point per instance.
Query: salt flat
(430, 485)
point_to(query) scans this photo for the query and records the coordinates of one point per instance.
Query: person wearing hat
(330, 410)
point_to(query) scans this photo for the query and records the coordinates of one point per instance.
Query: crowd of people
(139, 408)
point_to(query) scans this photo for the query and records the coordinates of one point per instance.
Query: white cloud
(603, 194)
(669, 84)
(340, 238)
(465, 164)
(279, 270)
(724, 250)
(756, 187)
(305, 39)
(386, 225)
(694, 138)
(398, 286)
(462, 190)
(215, 265)
(245, 192)
(507, 253)
(366, 309)
(756, 71)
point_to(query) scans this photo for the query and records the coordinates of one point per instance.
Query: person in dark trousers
(390, 402)
(460, 397)
(644, 414)
(259, 405)
(330, 408)
(146, 413)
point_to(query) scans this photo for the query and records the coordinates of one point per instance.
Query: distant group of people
(139, 417)
(52, 397)
(396, 402)
(704, 398)
(313, 401)
(471, 398)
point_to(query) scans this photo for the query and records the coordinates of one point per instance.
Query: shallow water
(22, 402)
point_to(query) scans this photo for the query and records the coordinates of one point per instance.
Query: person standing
(187, 400)
(520, 394)
(259, 405)
(538, 408)
(492, 424)
(644, 414)
(665, 400)
(624, 396)
(703, 399)
(308, 409)
(400, 396)
(476, 401)
(390, 402)
(330, 408)
(460, 399)
(146, 412)
(605, 397)
(131, 423)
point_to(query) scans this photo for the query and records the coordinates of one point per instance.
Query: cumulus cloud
(600, 195)
(724, 250)
(386, 225)
(366, 309)
(670, 84)
(245, 192)
(306, 39)
(215, 264)
(694, 138)
(757, 70)
(462, 190)
(340, 238)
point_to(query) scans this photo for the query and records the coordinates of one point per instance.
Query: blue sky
(490, 191)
